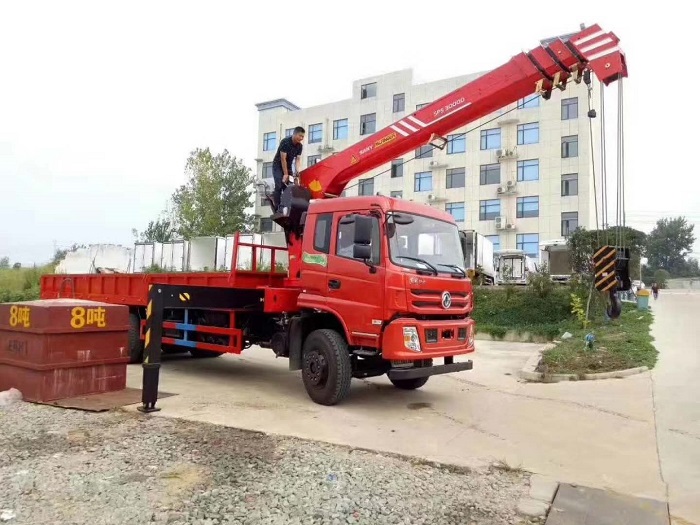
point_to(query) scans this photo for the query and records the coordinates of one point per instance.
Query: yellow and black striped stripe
(604, 264)
(149, 312)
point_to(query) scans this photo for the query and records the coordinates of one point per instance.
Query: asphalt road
(676, 387)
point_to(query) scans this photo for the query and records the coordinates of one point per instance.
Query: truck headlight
(410, 338)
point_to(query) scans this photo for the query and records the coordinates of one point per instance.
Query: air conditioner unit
(500, 222)
(432, 197)
(510, 184)
(510, 226)
(500, 189)
(499, 153)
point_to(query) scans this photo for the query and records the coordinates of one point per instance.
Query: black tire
(326, 368)
(203, 354)
(135, 342)
(410, 384)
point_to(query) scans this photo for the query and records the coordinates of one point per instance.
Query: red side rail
(132, 288)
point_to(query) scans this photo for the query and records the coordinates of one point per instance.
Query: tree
(215, 197)
(669, 243)
(161, 230)
(4, 263)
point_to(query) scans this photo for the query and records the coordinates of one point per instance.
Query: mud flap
(296, 333)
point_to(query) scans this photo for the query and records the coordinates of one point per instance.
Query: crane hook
(614, 310)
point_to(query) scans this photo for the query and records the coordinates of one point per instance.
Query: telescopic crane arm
(547, 67)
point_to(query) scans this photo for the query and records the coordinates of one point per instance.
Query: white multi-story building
(520, 176)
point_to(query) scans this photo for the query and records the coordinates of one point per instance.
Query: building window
(456, 143)
(315, 133)
(421, 106)
(569, 146)
(495, 240)
(529, 243)
(396, 168)
(491, 138)
(527, 207)
(490, 174)
(529, 133)
(397, 194)
(322, 235)
(423, 181)
(569, 222)
(368, 90)
(569, 184)
(288, 132)
(269, 141)
(489, 209)
(424, 152)
(399, 102)
(455, 178)
(533, 101)
(569, 108)
(366, 187)
(368, 123)
(456, 209)
(528, 170)
(312, 159)
(340, 129)
(267, 170)
(265, 225)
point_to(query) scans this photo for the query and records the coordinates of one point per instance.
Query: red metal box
(57, 348)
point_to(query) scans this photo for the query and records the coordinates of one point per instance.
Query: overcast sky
(101, 102)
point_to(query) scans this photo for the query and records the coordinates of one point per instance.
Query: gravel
(72, 467)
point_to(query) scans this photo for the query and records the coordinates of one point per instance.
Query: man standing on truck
(289, 151)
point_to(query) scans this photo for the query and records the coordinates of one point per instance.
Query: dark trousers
(278, 175)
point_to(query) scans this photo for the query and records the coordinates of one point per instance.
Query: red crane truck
(375, 285)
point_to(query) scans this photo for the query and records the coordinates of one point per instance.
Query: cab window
(345, 237)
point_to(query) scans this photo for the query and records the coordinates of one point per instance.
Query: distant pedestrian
(655, 290)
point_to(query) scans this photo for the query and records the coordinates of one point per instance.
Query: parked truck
(513, 267)
(375, 285)
(478, 257)
(555, 255)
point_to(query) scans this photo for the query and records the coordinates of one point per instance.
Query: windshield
(424, 243)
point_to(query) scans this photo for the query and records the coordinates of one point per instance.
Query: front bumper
(394, 348)
(425, 371)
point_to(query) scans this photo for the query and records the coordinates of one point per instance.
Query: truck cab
(388, 277)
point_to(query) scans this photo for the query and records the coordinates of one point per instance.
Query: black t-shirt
(292, 150)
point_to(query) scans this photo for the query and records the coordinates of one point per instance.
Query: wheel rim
(316, 367)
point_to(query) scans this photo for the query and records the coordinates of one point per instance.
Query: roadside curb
(512, 336)
(529, 371)
(540, 497)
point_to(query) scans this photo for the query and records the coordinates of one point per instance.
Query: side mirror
(362, 251)
(363, 230)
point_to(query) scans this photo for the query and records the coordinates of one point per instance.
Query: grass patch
(21, 284)
(521, 310)
(622, 343)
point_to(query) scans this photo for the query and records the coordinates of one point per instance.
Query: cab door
(355, 289)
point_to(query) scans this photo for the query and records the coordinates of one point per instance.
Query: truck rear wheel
(135, 342)
(326, 368)
(410, 384)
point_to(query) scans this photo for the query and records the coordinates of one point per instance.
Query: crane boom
(547, 67)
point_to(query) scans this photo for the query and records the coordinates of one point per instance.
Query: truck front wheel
(326, 368)
(409, 384)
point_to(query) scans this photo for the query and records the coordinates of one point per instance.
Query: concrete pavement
(676, 382)
(595, 433)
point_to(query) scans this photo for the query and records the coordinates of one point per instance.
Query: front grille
(432, 299)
